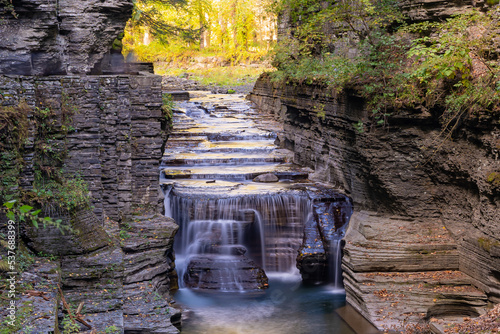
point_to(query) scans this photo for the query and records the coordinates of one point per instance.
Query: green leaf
(25, 208)
(35, 223)
(10, 204)
(35, 213)
(10, 215)
(459, 65)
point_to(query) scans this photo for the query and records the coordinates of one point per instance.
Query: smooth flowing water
(286, 307)
(238, 241)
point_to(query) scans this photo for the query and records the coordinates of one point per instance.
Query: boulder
(266, 178)
(233, 273)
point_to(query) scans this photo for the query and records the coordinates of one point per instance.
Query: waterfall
(335, 263)
(166, 202)
(344, 212)
(268, 228)
(235, 226)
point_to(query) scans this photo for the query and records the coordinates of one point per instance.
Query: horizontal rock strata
(59, 37)
(117, 133)
(127, 286)
(429, 204)
(399, 272)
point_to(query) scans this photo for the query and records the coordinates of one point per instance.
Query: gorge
(262, 199)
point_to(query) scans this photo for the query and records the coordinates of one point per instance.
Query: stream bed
(243, 208)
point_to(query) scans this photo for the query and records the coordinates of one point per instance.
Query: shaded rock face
(117, 137)
(83, 238)
(115, 143)
(399, 271)
(436, 9)
(406, 185)
(126, 286)
(323, 231)
(149, 275)
(59, 37)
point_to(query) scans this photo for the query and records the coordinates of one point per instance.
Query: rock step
(245, 146)
(230, 173)
(178, 95)
(231, 272)
(263, 147)
(203, 160)
(391, 300)
(185, 125)
(184, 142)
(225, 136)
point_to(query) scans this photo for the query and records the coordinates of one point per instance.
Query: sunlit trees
(161, 29)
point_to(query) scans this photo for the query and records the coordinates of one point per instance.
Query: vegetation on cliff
(447, 67)
(52, 189)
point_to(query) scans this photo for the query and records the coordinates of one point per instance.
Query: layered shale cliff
(103, 134)
(425, 223)
(58, 37)
(112, 131)
(423, 242)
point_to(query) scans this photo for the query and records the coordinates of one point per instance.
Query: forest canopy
(175, 29)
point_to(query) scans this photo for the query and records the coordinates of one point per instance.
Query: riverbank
(238, 79)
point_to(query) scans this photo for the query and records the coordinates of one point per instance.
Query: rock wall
(119, 263)
(118, 257)
(126, 282)
(117, 134)
(422, 205)
(59, 36)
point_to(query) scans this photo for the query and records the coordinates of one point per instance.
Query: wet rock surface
(231, 273)
(323, 232)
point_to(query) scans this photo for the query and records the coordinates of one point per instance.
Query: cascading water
(166, 202)
(269, 227)
(234, 232)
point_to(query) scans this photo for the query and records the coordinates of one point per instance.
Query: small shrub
(69, 327)
(112, 330)
(167, 107)
(494, 178)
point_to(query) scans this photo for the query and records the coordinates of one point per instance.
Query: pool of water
(286, 307)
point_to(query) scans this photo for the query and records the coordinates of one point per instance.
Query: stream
(238, 242)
